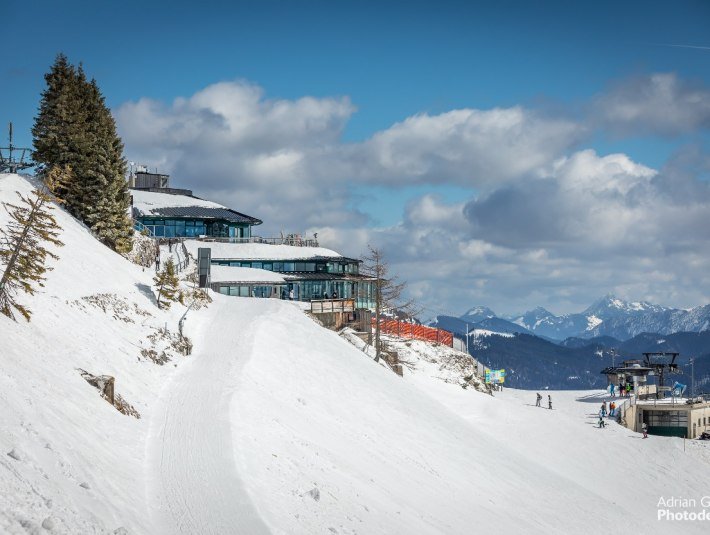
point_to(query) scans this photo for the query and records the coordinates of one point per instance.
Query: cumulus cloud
(467, 147)
(659, 103)
(584, 226)
(284, 160)
(585, 198)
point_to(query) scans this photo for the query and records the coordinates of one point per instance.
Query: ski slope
(194, 484)
(276, 425)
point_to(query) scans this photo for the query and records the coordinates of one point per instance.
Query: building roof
(262, 251)
(155, 204)
(243, 274)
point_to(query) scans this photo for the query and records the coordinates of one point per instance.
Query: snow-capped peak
(478, 313)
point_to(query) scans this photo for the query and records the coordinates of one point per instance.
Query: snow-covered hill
(276, 425)
(69, 461)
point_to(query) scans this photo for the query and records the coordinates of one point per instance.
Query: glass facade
(345, 267)
(191, 228)
(361, 291)
(249, 290)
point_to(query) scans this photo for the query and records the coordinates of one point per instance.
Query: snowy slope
(277, 425)
(311, 417)
(62, 432)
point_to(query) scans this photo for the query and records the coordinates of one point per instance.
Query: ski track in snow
(194, 485)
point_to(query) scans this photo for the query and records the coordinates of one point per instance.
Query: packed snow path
(193, 483)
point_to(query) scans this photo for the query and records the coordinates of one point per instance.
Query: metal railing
(294, 241)
(140, 227)
(323, 306)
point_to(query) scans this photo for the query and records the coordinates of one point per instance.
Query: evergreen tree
(58, 118)
(167, 283)
(22, 242)
(75, 127)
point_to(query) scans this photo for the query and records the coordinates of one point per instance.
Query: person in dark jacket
(549, 401)
(539, 399)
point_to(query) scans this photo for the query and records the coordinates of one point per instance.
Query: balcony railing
(288, 240)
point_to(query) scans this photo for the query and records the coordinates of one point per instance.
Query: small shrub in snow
(119, 307)
(144, 250)
(166, 283)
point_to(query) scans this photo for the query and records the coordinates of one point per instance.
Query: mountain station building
(664, 409)
(242, 264)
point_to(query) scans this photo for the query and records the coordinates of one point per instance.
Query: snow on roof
(243, 274)
(260, 251)
(149, 202)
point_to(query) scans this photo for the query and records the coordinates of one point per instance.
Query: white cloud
(659, 103)
(467, 147)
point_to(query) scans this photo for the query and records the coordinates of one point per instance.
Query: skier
(644, 430)
(602, 423)
(549, 402)
(539, 399)
(290, 294)
(611, 390)
(603, 409)
(612, 408)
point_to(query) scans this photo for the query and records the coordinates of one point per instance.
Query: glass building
(304, 279)
(172, 213)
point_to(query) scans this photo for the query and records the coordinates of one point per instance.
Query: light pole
(692, 376)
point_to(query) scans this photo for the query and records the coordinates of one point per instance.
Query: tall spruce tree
(23, 252)
(75, 127)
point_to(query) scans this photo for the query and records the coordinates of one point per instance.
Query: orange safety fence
(412, 330)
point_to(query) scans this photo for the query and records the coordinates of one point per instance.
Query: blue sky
(391, 61)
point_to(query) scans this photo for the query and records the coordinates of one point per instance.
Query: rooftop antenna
(10, 164)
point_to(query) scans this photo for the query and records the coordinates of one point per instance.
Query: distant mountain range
(609, 316)
(541, 350)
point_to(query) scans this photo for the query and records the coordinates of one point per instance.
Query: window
(278, 266)
(256, 265)
(300, 266)
(310, 266)
(289, 266)
(268, 266)
(224, 290)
